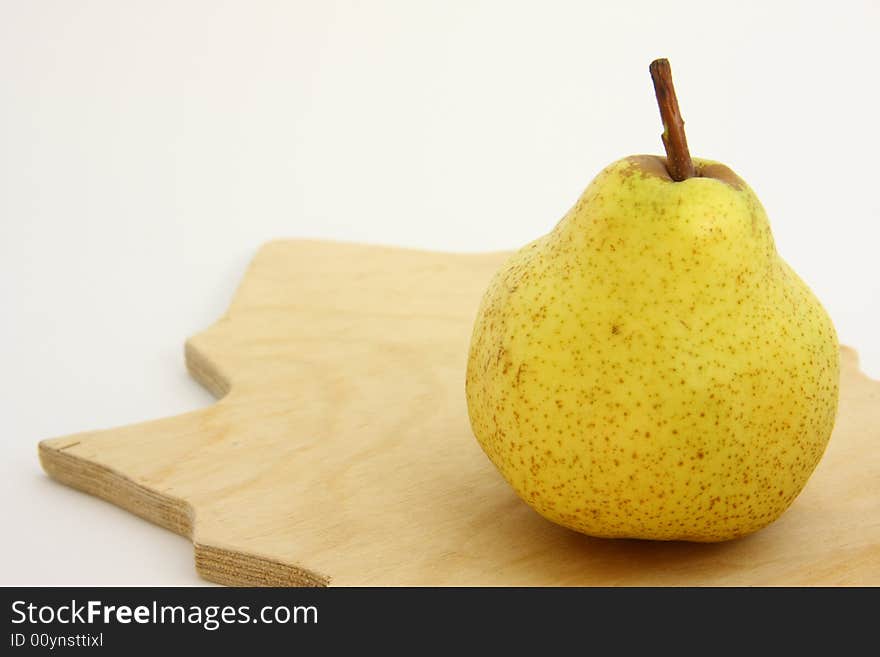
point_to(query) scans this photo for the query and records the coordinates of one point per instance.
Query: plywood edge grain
(214, 563)
(98, 480)
(234, 568)
(202, 370)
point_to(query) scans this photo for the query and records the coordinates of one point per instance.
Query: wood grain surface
(340, 451)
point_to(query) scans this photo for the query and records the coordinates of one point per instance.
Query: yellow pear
(652, 368)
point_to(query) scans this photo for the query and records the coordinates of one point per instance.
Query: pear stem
(678, 157)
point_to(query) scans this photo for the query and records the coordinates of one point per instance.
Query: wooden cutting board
(340, 450)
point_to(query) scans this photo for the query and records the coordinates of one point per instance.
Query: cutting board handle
(145, 457)
(141, 460)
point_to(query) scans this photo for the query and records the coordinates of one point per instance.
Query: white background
(148, 148)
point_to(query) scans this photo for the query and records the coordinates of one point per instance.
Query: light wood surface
(340, 452)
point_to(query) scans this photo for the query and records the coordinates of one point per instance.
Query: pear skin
(652, 368)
